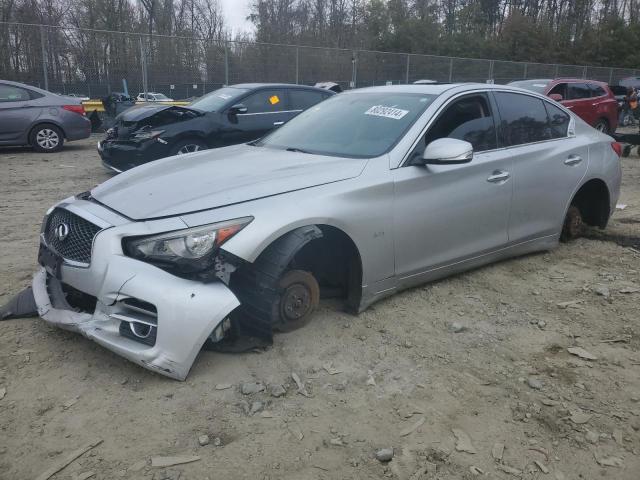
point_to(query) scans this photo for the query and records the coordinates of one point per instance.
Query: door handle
(498, 176)
(573, 160)
(277, 124)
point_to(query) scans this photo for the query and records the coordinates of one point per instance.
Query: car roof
(24, 85)
(438, 89)
(533, 80)
(253, 86)
(578, 80)
(447, 89)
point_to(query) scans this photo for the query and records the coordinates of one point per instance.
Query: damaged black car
(227, 116)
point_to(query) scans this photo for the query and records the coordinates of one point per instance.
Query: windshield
(351, 124)
(538, 86)
(212, 102)
(161, 96)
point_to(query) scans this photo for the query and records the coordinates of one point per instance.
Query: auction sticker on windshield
(386, 112)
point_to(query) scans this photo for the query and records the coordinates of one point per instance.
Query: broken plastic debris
(61, 464)
(413, 427)
(582, 353)
(170, 461)
(463, 441)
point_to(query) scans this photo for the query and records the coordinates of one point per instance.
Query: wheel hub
(573, 223)
(295, 302)
(47, 139)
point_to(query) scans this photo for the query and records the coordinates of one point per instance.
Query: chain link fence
(95, 63)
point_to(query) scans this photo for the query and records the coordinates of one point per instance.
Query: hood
(149, 116)
(216, 178)
(142, 112)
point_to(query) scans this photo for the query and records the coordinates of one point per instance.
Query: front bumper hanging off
(142, 313)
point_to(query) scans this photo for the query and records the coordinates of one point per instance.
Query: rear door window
(266, 101)
(560, 89)
(558, 120)
(578, 91)
(9, 93)
(523, 119)
(597, 90)
(303, 99)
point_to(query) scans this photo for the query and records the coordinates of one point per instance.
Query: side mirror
(556, 97)
(447, 151)
(238, 108)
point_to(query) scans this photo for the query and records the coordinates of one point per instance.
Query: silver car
(44, 120)
(368, 193)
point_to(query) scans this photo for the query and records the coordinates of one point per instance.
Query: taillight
(617, 147)
(79, 109)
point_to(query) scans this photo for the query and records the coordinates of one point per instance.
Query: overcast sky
(235, 13)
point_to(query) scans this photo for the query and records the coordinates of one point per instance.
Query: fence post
(407, 73)
(584, 72)
(143, 65)
(525, 70)
(354, 69)
(556, 74)
(450, 70)
(297, 65)
(610, 76)
(45, 68)
(226, 62)
(491, 70)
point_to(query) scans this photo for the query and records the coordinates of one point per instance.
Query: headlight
(189, 250)
(146, 135)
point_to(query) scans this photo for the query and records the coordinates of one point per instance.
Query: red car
(591, 100)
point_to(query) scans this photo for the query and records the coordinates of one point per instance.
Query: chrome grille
(77, 244)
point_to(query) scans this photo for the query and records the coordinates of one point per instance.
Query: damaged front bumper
(132, 308)
(118, 156)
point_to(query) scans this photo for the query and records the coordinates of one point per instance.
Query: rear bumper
(184, 313)
(76, 128)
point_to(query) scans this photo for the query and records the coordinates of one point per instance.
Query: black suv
(230, 115)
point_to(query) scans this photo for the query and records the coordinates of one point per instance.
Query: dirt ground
(475, 363)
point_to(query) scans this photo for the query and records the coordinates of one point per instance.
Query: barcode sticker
(386, 112)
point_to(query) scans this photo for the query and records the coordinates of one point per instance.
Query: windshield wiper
(299, 150)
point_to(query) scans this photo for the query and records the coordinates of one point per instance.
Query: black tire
(188, 145)
(602, 126)
(261, 286)
(573, 226)
(46, 138)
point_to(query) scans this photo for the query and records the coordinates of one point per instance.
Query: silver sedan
(368, 193)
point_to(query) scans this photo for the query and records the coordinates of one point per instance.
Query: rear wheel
(188, 146)
(602, 126)
(573, 224)
(46, 138)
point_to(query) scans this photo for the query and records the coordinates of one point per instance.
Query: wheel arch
(593, 199)
(603, 118)
(42, 122)
(300, 244)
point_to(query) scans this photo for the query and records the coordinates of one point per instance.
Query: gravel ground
(463, 378)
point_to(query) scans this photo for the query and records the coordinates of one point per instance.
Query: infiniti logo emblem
(62, 231)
